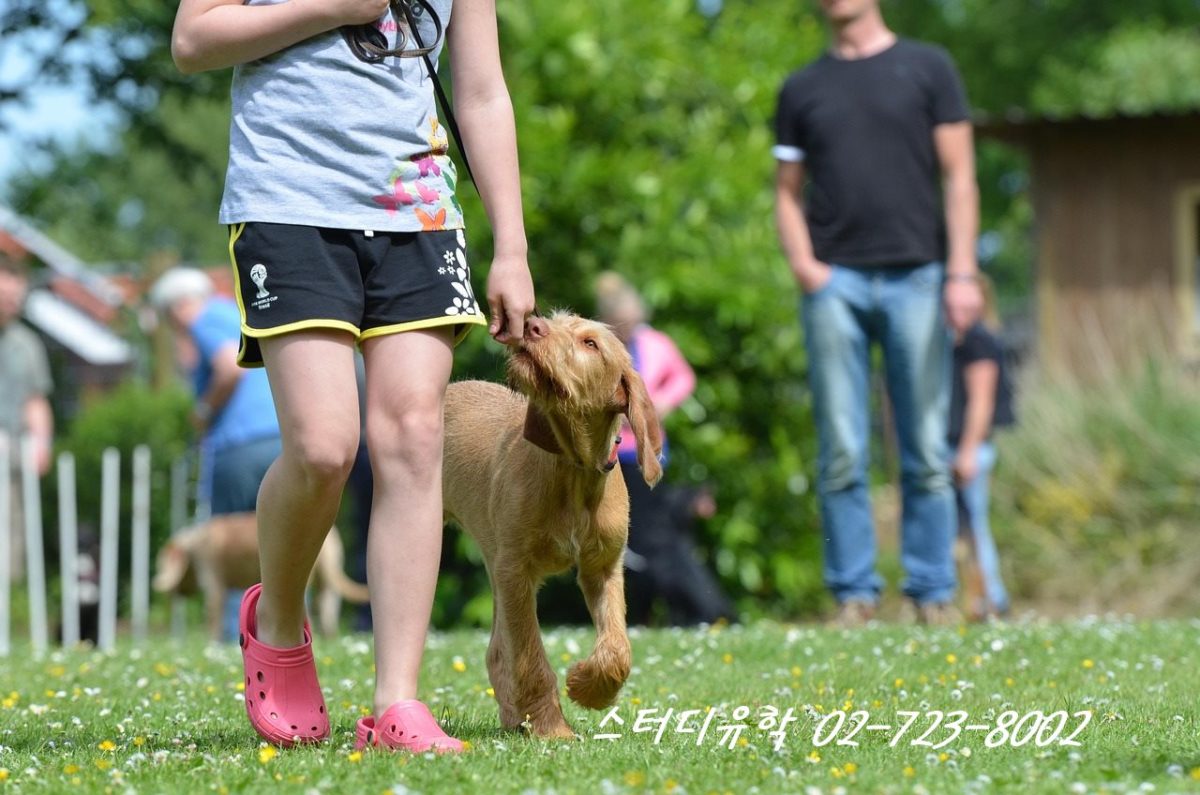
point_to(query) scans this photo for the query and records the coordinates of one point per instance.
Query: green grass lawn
(169, 717)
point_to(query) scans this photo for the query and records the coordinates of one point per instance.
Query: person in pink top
(659, 561)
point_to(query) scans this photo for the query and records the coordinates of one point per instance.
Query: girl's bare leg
(316, 398)
(407, 375)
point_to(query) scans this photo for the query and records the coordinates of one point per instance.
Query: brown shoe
(938, 614)
(852, 614)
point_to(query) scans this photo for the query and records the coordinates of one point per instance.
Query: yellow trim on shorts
(301, 325)
(466, 321)
(235, 231)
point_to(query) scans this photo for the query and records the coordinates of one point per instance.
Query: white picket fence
(68, 543)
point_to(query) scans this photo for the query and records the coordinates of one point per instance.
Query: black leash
(370, 45)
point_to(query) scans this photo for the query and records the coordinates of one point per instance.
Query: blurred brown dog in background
(222, 553)
(532, 478)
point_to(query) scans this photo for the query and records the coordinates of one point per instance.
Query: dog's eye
(591, 343)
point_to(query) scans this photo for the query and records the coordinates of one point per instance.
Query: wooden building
(1116, 206)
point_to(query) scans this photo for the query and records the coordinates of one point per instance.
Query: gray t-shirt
(320, 138)
(24, 374)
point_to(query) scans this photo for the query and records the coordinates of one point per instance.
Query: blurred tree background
(645, 132)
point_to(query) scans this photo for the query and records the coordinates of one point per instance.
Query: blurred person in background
(981, 401)
(865, 137)
(660, 561)
(233, 412)
(24, 406)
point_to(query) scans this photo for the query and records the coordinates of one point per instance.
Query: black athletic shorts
(290, 278)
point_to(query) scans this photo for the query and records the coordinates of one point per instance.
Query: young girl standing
(344, 230)
(980, 402)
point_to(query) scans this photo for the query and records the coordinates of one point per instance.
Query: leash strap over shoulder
(437, 85)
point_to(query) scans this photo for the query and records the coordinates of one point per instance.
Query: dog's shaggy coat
(530, 476)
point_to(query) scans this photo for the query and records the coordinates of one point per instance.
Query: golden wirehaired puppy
(532, 478)
(222, 553)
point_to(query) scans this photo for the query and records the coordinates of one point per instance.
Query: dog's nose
(536, 327)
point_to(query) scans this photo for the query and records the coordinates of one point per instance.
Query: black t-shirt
(978, 345)
(864, 130)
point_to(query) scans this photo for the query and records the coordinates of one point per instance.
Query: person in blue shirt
(234, 412)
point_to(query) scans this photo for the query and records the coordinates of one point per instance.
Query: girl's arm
(214, 34)
(979, 379)
(485, 113)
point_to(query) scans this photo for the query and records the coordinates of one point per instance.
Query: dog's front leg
(596, 681)
(500, 675)
(534, 685)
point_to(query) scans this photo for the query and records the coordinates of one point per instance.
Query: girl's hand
(510, 298)
(966, 465)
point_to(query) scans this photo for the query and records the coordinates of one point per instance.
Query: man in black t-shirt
(864, 135)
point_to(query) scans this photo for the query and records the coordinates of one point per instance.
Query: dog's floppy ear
(635, 404)
(538, 431)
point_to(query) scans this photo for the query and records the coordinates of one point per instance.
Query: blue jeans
(901, 310)
(976, 498)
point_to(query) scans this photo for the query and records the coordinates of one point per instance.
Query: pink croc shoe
(407, 725)
(283, 696)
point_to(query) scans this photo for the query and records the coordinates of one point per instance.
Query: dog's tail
(330, 570)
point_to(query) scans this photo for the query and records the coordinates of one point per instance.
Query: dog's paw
(592, 686)
(549, 726)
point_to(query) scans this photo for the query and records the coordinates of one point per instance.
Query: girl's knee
(413, 432)
(326, 458)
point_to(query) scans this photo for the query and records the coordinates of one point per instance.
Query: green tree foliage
(139, 197)
(645, 136)
(1135, 70)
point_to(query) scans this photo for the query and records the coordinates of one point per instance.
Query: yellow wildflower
(1089, 664)
(266, 753)
(635, 778)
(355, 756)
(107, 745)
(70, 770)
(909, 772)
(952, 658)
